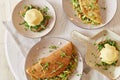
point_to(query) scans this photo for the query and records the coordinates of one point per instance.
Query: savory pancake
(90, 9)
(52, 65)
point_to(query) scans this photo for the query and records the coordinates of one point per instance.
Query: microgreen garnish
(63, 54)
(53, 47)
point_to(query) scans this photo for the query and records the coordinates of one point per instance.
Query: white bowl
(43, 47)
(92, 53)
(16, 19)
(107, 14)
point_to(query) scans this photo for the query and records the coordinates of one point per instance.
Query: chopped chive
(94, 43)
(63, 54)
(33, 71)
(53, 47)
(78, 74)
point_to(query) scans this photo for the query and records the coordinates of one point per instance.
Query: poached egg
(33, 17)
(109, 54)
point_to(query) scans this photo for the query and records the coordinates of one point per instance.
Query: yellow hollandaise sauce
(109, 54)
(33, 17)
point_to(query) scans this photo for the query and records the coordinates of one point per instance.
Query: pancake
(90, 9)
(53, 64)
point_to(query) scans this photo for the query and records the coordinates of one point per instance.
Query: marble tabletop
(6, 7)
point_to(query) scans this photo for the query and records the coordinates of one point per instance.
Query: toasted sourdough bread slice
(52, 65)
(91, 10)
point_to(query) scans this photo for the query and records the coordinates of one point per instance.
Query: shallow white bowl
(41, 49)
(92, 53)
(16, 19)
(107, 14)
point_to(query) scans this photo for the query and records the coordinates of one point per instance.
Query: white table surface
(7, 5)
(5, 73)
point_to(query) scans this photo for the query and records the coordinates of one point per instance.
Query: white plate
(107, 15)
(14, 57)
(41, 49)
(16, 19)
(92, 56)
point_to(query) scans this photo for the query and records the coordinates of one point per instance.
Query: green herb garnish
(98, 65)
(53, 47)
(45, 66)
(105, 64)
(78, 74)
(33, 71)
(110, 42)
(67, 72)
(77, 8)
(63, 54)
(45, 10)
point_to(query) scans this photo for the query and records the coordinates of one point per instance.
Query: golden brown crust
(57, 63)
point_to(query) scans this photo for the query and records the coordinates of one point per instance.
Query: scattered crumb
(59, 43)
(43, 53)
(78, 74)
(37, 48)
(50, 50)
(104, 8)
